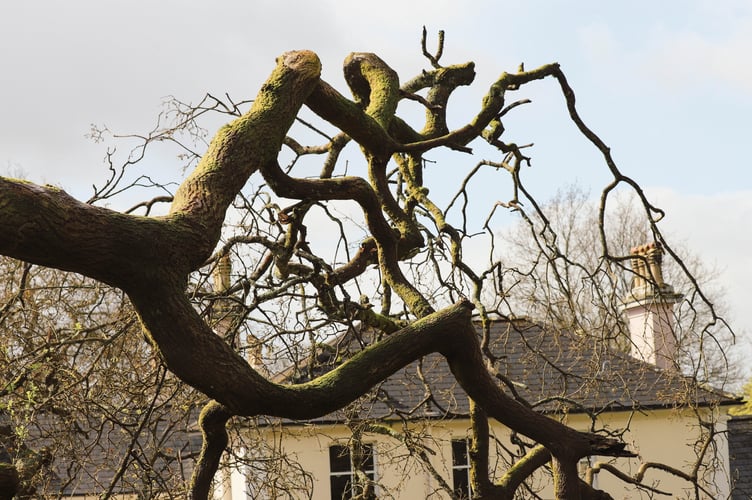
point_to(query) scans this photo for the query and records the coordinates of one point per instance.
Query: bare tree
(552, 262)
(360, 242)
(85, 404)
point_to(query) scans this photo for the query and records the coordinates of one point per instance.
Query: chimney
(649, 309)
(226, 312)
(221, 274)
(222, 309)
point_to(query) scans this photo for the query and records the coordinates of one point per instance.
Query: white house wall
(665, 436)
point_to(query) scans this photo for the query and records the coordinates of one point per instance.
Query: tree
(551, 258)
(745, 409)
(403, 252)
(80, 390)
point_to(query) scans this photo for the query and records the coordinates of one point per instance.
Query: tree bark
(212, 422)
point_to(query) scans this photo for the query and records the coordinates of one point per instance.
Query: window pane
(340, 487)
(340, 466)
(461, 483)
(459, 452)
(339, 458)
(460, 468)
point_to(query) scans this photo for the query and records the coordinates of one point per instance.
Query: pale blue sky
(668, 85)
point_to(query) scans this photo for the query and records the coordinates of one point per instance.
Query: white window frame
(350, 473)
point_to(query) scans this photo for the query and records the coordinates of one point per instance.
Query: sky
(667, 85)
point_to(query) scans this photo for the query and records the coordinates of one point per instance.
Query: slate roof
(85, 456)
(552, 369)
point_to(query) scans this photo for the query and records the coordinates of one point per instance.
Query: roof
(83, 456)
(552, 369)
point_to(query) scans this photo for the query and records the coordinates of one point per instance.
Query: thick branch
(479, 450)
(566, 481)
(46, 226)
(465, 360)
(374, 84)
(242, 146)
(442, 82)
(198, 356)
(212, 422)
(493, 103)
(354, 188)
(332, 106)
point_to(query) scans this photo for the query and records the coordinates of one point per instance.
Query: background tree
(366, 238)
(551, 264)
(85, 404)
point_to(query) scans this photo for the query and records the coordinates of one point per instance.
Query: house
(413, 428)
(114, 456)
(740, 456)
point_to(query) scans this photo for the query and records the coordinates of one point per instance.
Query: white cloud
(689, 58)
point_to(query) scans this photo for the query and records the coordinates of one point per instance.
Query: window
(342, 469)
(461, 469)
